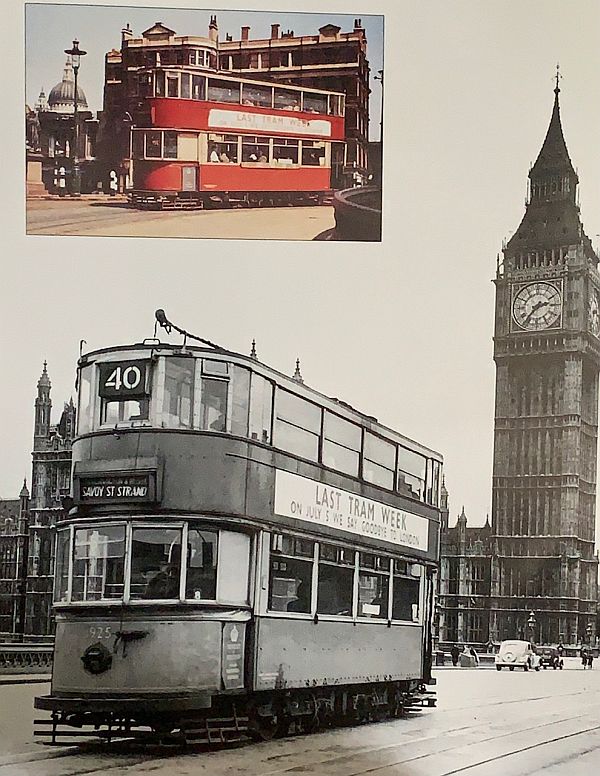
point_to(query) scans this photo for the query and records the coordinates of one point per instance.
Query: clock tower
(547, 354)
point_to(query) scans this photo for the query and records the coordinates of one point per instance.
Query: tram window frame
(223, 143)
(198, 87)
(337, 441)
(412, 480)
(336, 562)
(409, 580)
(183, 374)
(254, 97)
(171, 80)
(293, 433)
(173, 583)
(315, 98)
(138, 144)
(312, 150)
(257, 146)
(207, 581)
(285, 151)
(159, 83)
(150, 136)
(85, 399)
(287, 99)
(298, 553)
(217, 88)
(262, 393)
(220, 421)
(377, 567)
(240, 401)
(185, 85)
(63, 565)
(170, 144)
(124, 417)
(379, 460)
(81, 597)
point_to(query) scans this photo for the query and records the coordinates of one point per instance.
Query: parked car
(550, 657)
(521, 654)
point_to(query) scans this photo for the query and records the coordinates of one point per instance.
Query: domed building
(54, 115)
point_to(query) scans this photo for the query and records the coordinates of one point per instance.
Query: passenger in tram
(302, 601)
(165, 583)
(214, 156)
(224, 158)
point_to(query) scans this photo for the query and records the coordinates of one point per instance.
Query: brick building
(14, 522)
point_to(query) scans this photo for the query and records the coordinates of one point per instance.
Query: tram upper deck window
(98, 563)
(253, 94)
(179, 382)
(240, 400)
(314, 103)
(373, 585)
(297, 425)
(261, 408)
(336, 105)
(172, 85)
(341, 444)
(379, 460)
(433, 482)
(411, 473)
(223, 91)
(201, 579)
(405, 593)
(290, 578)
(84, 409)
(155, 563)
(159, 83)
(186, 89)
(286, 99)
(336, 580)
(61, 577)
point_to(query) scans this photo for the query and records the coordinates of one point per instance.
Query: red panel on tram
(172, 113)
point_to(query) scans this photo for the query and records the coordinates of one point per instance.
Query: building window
(373, 586)
(297, 425)
(336, 580)
(98, 563)
(155, 563)
(290, 579)
(341, 444)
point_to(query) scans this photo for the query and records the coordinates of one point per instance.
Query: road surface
(97, 217)
(486, 724)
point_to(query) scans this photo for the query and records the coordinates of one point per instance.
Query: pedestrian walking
(590, 658)
(584, 657)
(454, 654)
(113, 183)
(62, 181)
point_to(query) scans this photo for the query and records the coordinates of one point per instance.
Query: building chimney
(126, 33)
(213, 29)
(245, 33)
(274, 31)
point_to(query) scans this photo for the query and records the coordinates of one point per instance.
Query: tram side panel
(300, 653)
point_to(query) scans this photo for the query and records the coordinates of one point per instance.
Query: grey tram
(244, 555)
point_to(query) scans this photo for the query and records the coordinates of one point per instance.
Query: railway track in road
(477, 750)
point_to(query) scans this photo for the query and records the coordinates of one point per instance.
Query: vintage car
(550, 657)
(521, 654)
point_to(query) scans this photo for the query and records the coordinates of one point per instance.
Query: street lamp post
(531, 623)
(76, 53)
(379, 77)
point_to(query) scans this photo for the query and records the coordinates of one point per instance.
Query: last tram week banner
(314, 502)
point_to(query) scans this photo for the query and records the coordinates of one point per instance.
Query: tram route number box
(115, 488)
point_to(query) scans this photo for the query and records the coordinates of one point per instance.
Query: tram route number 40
(124, 378)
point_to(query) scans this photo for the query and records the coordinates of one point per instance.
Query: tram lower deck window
(290, 578)
(201, 579)
(336, 580)
(405, 599)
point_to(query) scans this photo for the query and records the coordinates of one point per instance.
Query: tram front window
(98, 563)
(119, 411)
(214, 404)
(201, 581)
(155, 563)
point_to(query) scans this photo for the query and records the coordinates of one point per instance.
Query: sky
(401, 330)
(51, 28)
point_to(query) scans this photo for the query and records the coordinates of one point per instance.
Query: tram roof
(300, 388)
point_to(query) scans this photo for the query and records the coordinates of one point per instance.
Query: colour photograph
(165, 122)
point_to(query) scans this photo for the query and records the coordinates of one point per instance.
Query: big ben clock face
(537, 306)
(594, 313)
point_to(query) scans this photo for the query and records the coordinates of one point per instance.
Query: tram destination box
(115, 488)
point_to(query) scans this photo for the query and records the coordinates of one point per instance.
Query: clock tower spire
(547, 354)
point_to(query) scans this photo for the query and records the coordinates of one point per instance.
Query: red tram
(219, 139)
(244, 554)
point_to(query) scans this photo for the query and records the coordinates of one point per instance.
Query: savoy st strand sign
(267, 122)
(314, 502)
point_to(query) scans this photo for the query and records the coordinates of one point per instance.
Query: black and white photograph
(301, 354)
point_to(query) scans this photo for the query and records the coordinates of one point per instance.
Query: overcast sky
(401, 330)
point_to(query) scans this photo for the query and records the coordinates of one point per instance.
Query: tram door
(189, 180)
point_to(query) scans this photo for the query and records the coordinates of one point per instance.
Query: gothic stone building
(330, 59)
(14, 520)
(50, 483)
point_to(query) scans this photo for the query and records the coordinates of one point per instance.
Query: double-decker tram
(209, 139)
(244, 555)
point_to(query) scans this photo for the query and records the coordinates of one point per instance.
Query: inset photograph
(166, 122)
